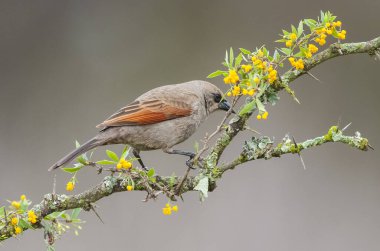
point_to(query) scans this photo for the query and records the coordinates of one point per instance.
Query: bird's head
(214, 99)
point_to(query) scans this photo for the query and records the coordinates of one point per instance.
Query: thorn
(299, 154)
(252, 130)
(96, 213)
(370, 147)
(346, 126)
(339, 121)
(311, 75)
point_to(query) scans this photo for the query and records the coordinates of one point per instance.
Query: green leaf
(231, 57)
(286, 51)
(106, 162)
(294, 30)
(215, 74)
(2, 212)
(311, 23)
(112, 155)
(54, 215)
(75, 213)
(300, 29)
(260, 105)
(238, 60)
(81, 159)
(276, 56)
(125, 152)
(72, 169)
(77, 145)
(246, 52)
(202, 187)
(24, 224)
(151, 172)
(248, 108)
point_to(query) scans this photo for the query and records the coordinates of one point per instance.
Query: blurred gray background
(65, 66)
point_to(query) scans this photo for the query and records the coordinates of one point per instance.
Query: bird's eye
(217, 97)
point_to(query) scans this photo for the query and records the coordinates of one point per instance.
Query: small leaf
(238, 60)
(246, 52)
(24, 224)
(215, 74)
(202, 187)
(125, 152)
(112, 155)
(81, 159)
(231, 57)
(300, 29)
(294, 30)
(72, 169)
(287, 51)
(77, 145)
(75, 213)
(248, 108)
(151, 172)
(106, 162)
(260, 105)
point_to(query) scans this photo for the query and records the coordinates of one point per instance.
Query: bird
(158, 119)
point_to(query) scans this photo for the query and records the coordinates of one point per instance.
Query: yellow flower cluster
(14, 221)
(246, 68)
(16, 204)
(292, 37)
(236, 91)
(123, 164)
(272, 74)
(329, 30)
(232, 77)
(70, 186)
(18, 230)
(23, 197)
(129, 188)
(262, 116)
(167, 210)
(299, 65)
(32, 217)
(311, 49)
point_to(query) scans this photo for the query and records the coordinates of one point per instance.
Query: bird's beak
(225, 106)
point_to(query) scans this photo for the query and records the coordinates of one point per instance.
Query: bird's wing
(147, 112)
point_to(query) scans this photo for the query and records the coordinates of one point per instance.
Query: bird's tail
(92, 143)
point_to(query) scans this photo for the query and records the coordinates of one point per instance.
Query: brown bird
(159, 119)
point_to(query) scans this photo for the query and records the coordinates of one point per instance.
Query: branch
(237, 124)
(252, 150)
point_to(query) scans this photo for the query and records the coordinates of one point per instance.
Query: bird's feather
(147, 112)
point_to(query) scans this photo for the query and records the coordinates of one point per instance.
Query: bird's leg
(189, 162)
(137, 155)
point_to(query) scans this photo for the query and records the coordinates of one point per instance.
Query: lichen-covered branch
(256, 148)
(264, 148)
(205, 180)
(237, 124)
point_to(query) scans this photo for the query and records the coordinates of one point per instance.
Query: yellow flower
(129, 188)
(293, 36)
(175, 208)
(308, 54)
(338, 23)
(299, 64)
(16, 204)
(291, 60)
(341, 36)
(343, 32)
(312, 48)
(260, 53)
(127, 164)
(258, 116)
(289, 43)
(323, 36)
(229, 94)
(232, 77)
(256, 80)
(251, 92)
(18, 230)
(23, 197)
(32, 217)
(246, 67)
(328, 25)
(329, 31)
(265, 115)
(70, 186)
(14, 221)
(253, 58)
(322, 42)
(119, 166)
(236, 91)
(167, 211)
(245, 92)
